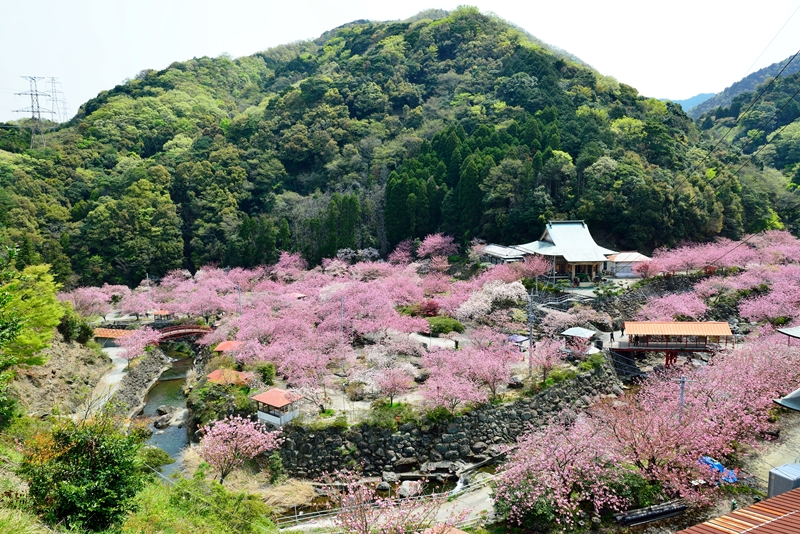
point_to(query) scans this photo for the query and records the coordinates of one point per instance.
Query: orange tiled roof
(227, 376)
(277, 398)
(228, 345)
(778, 515)
(677, 328)
(112, 333)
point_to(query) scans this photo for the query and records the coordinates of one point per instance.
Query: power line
(771, 41)
(721, 139)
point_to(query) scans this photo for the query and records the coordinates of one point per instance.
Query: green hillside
(747, 84)
(767, 128)
(373, 133)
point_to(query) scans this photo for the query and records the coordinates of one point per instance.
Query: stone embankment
(138, 381)
(469, 437)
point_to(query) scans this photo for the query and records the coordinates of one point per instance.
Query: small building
(622, 264)
(277, 406)
(776, 515)
(227, 376)
(228, 346)
(572, 250)
(499, 254)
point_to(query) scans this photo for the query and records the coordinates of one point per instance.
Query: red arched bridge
(169, 333)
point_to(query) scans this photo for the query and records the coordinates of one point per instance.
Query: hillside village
(429, 275)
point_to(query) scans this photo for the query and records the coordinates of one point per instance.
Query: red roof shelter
(277, 406)
(227, 346)
(227, 376)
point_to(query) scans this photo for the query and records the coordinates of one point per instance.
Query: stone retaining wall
(307, 454)
(138, 381)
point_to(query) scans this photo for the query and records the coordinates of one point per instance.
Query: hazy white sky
(672, 49)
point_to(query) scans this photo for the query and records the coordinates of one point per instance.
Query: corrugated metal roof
(570, 239)
(778, 515)
(677, 328)
(499, 251)
(112, 333)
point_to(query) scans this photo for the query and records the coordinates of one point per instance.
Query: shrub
(153, 458)
(444, 325)
(73, 327)
(83, 474)
(383, 415)
(223, 361)
(594, 361)
(558, 375)
(266, 372)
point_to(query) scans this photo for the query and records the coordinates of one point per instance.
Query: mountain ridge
(371, 134)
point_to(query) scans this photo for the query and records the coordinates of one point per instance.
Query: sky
(666, 49)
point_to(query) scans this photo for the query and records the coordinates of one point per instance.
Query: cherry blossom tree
(565, 464)
(361, 510)
(546, 355)
(135, 344)
(393, 381)
(450, 391)
(87, 301)
(437, 245)
(226, 444)
(675, 306)
(403, 254)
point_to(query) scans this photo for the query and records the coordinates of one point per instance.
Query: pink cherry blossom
(227, 443)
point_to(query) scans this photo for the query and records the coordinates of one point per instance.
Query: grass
(20, 522)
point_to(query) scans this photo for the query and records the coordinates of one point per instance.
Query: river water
(168, 391)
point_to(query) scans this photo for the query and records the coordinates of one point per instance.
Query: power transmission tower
(36, 126)
(57, 104)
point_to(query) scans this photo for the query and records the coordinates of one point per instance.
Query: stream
(168, 391)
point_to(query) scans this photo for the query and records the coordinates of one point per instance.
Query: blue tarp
(516, 338)
(727, 475)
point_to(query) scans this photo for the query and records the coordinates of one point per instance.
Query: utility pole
(149, 297)
(341, 315)
(36, 125)
(239, 297)
(682, 381)
(530, 334)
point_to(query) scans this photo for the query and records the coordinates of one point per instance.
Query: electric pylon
(36, 125)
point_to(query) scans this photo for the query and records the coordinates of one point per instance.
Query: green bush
(444, 325)
(384, 416)
(153, 458)
(73, 327)
(440, 414)
(556, 376)
(266, 371)
(594, 361)
(83, 474)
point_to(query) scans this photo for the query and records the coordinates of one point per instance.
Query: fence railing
(287, 521)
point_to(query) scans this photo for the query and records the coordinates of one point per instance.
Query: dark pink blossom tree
(437, 245)
(227, 443)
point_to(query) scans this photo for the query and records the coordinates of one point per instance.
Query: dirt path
(109, 382)
(772, 454)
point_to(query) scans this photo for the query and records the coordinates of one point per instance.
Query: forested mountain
(747, 84)
(765, 127)
(371, 134)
